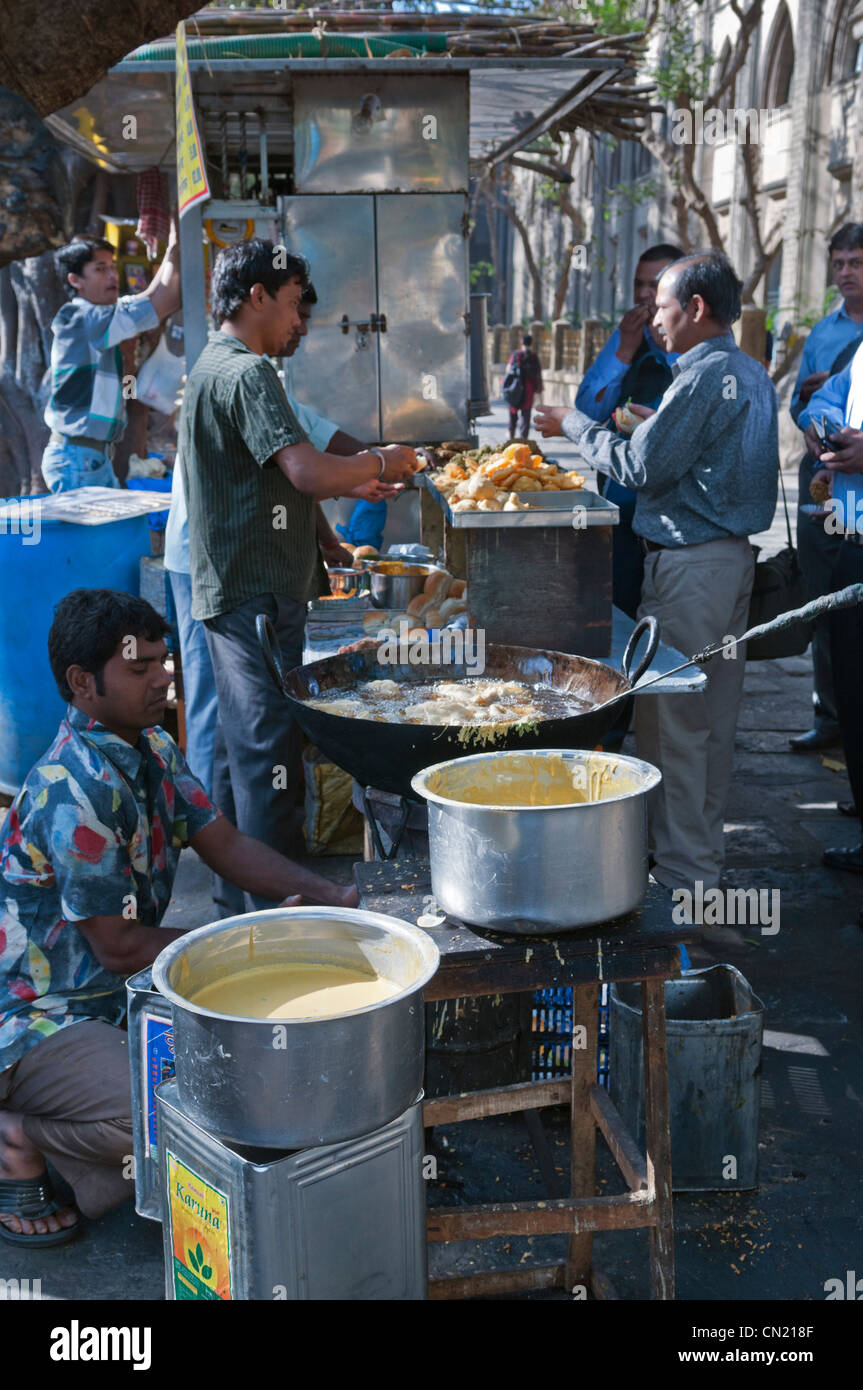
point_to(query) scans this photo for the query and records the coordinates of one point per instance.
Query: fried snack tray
(549, 509)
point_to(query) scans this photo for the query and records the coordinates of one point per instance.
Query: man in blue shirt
(841, 399)
(829, 347)
(705, 468)
(634, 365)
(87, 409)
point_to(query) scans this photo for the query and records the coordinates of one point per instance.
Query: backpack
(512, 387)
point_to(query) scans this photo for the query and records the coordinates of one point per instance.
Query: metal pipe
(244, 155)
(265, 167)
(223, 138)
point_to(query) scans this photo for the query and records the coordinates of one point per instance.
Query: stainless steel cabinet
(387, 355)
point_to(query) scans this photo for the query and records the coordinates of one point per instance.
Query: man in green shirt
(251, 479)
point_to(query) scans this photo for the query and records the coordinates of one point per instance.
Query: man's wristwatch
(383, 460)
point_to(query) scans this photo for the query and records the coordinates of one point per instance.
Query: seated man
(88, 855)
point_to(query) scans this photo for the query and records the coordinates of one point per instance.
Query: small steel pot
(295, 1083)
(537, 868)
(344, 581)
(395, 591)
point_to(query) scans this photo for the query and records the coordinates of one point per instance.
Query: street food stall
(355, 147)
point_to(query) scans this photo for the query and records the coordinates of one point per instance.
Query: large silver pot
(296, 1083)
(537, 868)
(395, 591)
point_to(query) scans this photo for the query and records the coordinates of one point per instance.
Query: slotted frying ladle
(829, 603)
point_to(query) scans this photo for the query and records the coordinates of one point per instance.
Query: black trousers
(846, 648)
(257, 762)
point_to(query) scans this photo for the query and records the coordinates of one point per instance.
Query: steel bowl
(533, 869)
(395, 591)
(296, 1083)
(342, 581)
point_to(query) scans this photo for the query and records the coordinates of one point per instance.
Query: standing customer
(634, 365)
(705, 467)
(842, 396)
(530, 368)
(829, 347)
(251, 478)
(87, 411)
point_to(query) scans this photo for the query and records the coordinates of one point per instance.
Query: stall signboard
(192, 185)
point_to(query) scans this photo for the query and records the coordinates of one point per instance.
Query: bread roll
(374, 620)
(365, 552)
(437, 586)
(432, 617)
(450, 607)
(457, 588)
(418, 605)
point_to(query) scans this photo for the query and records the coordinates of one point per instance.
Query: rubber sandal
(32, 1199)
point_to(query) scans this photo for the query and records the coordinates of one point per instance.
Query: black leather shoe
(851, 860)
(848, 808)
(813, 741)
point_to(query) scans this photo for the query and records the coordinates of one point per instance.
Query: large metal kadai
(505, 856)
(299, 1082)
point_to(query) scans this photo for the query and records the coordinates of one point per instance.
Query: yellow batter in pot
(298, 990)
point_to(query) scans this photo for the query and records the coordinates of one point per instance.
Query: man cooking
(634, 365)
(87, 409)
(199, 685)
(704, 466)
(828, 349)
(88, 855)
(251, 477)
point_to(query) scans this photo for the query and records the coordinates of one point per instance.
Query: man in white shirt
(199, 686)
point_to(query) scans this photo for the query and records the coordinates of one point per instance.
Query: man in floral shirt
(88, 855)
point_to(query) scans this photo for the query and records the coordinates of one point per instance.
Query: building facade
(799, 93)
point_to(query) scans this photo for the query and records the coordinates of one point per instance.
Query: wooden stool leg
(658, 1138)
(585, 1014)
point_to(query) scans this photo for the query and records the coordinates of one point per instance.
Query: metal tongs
(829, 603)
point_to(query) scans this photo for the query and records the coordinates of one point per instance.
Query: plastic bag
(160, 379)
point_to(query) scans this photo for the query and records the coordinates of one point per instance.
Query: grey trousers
(257, 763)
(818, 552)
(698, 594)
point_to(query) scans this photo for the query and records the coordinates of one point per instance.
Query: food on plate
(624, 418)
(366, 552)
(374, 619)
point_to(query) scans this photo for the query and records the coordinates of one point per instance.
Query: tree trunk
(52, 52)
(31, 292)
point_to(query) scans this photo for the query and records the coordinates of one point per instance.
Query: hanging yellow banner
(192, 185)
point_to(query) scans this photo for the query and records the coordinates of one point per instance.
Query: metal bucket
(295, 1083)
(531, 869)
(714, 1027)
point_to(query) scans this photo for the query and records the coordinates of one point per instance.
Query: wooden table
(642, 946)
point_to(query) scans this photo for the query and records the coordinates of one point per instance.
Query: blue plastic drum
(39, 564)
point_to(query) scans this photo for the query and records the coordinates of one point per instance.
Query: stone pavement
(801, 1226)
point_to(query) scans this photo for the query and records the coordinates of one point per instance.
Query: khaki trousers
(699, 594)
(75, 1093)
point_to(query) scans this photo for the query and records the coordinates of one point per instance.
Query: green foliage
(479, 269)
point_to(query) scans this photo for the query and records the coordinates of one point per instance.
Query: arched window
(780, 62)
(726, 101)
(845, 58)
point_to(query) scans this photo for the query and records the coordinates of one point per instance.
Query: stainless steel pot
(395, 591)
(295, 1083)
(537, 868)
